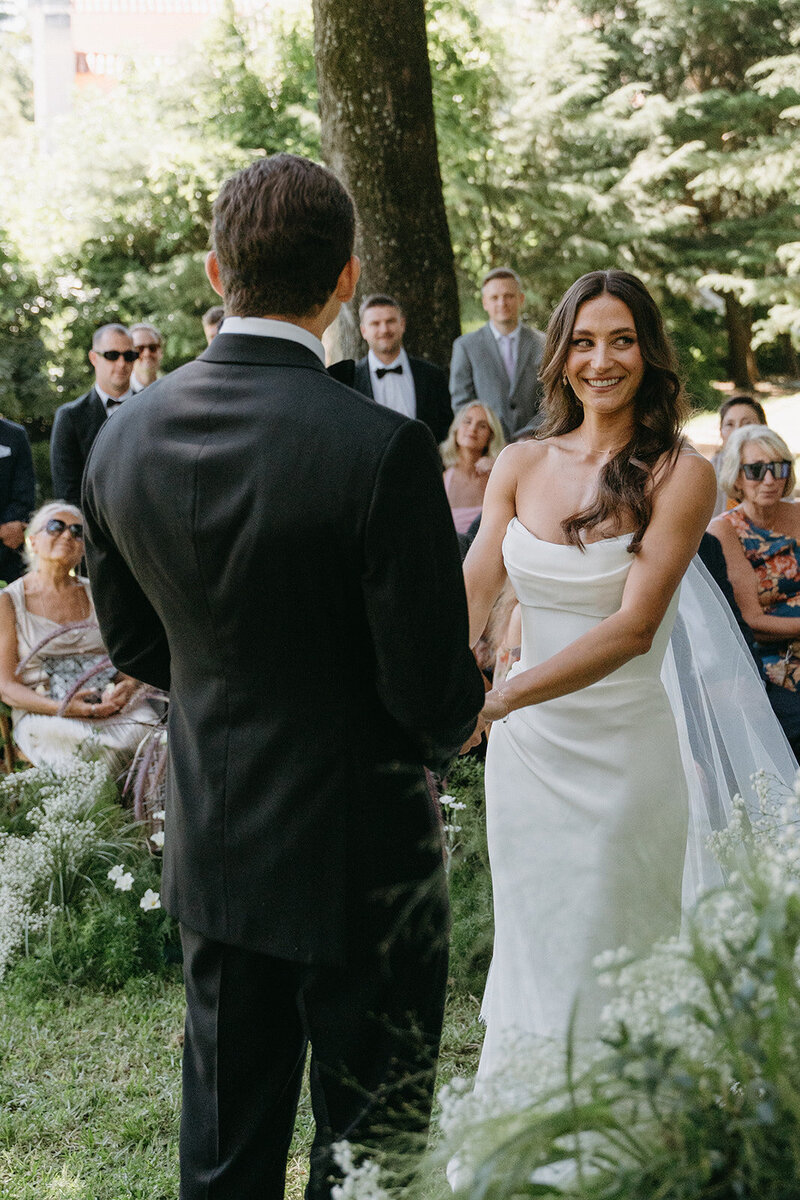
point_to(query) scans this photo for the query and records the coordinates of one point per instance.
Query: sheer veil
(726, 727)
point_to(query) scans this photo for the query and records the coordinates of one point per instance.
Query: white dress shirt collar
(514, 335)
(266, 327)
(113, 401)
(394, 391)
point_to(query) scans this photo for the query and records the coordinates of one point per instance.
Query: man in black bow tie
(77, 423)
(410, 386)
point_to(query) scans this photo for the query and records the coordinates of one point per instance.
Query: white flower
(157, 839)
(116, 872)
(150, 900)
(160, 815)
(124, 882)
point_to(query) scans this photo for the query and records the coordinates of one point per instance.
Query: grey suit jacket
(477, 372)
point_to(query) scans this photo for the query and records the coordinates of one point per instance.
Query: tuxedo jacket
(277, 551)
(17, 490)
(430, 386)
(477, 372)
(75, 427)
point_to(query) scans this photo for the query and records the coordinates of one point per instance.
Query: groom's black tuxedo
(278, 552)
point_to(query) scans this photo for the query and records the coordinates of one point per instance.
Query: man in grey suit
(498, 364)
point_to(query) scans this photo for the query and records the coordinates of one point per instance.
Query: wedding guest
(49, 638)
(212, 319)
(77, 423)
(17, 496)
(411, 386)
(735, 413)
(760, 539)
(500, 361)
(473, 443)
(147, 340)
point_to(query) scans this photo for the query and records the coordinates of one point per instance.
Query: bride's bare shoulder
(686, 470)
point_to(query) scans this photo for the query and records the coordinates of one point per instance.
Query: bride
(596, 522)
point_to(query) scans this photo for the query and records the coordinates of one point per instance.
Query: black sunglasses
(113, 355)
(757, 470)
(56, 525)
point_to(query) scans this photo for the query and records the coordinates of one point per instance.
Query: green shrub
(470, 883)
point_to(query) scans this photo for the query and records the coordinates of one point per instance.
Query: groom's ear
(212, 271)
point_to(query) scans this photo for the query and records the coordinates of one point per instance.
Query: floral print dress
(775, 557)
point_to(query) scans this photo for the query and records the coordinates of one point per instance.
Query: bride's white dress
(586, 802)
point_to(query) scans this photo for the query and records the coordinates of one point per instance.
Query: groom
(277, 551)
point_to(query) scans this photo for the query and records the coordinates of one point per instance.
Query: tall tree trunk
(379, 136)
(741, 361)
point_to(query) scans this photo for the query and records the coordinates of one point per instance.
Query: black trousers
(373, 1026)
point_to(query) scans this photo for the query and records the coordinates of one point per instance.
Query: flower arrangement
(69, 908)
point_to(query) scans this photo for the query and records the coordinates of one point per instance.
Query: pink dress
(463, 515)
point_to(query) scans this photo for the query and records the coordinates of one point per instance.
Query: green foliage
(62, 919)
(470, 883)
(104, 940)
(23, 382)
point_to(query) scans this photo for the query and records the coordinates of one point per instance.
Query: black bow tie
(381, 371)
(112, 404)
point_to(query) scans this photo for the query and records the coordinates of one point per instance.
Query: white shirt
(110, 403)
(394, 391)
(266, 327)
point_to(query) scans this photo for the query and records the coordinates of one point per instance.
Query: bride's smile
(604, 365)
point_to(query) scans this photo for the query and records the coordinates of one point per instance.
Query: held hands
(495, 708)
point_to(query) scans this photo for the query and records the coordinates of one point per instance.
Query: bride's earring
(564, 380)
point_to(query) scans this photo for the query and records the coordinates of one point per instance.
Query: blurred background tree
(656, 135)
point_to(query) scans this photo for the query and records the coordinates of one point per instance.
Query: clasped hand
(84, 704)
(495, 708)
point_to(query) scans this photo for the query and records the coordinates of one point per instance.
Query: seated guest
(760, 539)
(473, 443)
(734, 414)
(49, 640)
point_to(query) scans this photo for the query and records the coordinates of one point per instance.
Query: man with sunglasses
(77, 423)
(147, 340)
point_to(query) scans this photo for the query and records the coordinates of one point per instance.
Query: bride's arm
(484, 572)
(681, 510)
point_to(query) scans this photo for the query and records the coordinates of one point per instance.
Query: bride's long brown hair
(660, 408)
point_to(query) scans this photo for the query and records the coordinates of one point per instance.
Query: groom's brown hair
(283, 230)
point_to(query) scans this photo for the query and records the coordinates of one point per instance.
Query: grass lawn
(90, 1091)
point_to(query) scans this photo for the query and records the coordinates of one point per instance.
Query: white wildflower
(160, 816)
(362, 1181)
(116, 872)
(150, 900)
(124, 882)
(157, 839)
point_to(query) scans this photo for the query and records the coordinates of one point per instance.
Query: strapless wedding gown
(586, 803)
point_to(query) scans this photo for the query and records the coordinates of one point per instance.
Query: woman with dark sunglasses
(760, 539)
(65, 694)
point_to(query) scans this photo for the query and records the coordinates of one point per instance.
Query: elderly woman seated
(65, 695)
(760, 539)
